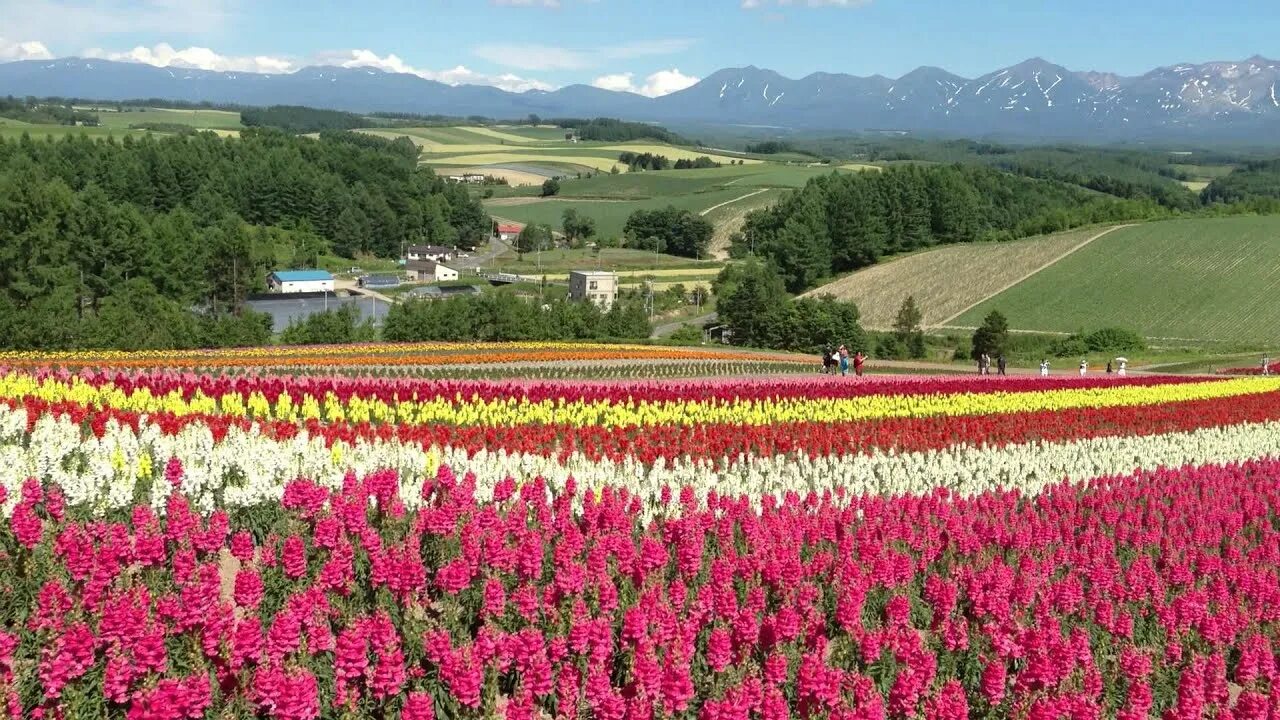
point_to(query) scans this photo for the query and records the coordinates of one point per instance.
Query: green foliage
(577, 228)
(754, 303)
(297, 119)
(1253, 181)
(907, 331)
(687, 335)
(1117, 340)
(550, 186)
(644, 161)
(669, 230)
(844, 221)
(992, 336)
(532, 238)
(503, 316)
(331, 327)
(48, 112)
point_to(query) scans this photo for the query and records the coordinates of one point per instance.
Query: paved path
(666, 329)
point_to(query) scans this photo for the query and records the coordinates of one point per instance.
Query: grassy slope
(200, 119)
(1213, 279)
(946, 280)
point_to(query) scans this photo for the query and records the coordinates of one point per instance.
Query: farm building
(429, 271)
(470, 178)
(507, 232)
(379, 281)
(434, 253)
(597, 286)
(300, 281)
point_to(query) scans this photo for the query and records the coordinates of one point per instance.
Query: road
(491, 252)
(667, 328)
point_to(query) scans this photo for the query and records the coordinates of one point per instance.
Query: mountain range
(1233, 100)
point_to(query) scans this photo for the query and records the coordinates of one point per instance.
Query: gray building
(597, 286)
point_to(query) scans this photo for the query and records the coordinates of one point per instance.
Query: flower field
(242, 544)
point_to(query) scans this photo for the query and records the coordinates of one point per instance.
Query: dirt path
(730, 202)
(944, 322)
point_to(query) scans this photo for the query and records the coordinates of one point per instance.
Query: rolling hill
(1035, 98)
(1211, 279)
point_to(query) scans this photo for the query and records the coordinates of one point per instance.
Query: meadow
(610, 215)
(1204, 279)
(199, 119)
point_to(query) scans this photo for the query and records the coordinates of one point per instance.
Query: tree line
(299, 119)
(1257, 180)
(157, 243)
(45, 112)
(503, 316)
(611, 129)
(842, 222)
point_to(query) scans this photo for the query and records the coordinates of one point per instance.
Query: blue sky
(648, 46)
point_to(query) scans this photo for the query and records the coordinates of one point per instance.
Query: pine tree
(906, 327)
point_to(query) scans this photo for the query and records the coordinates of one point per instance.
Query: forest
(1255, 181)
(842, 222)
(611, 130)
(100, 238)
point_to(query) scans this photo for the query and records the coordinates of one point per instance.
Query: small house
(434, 253)
(507, 232)
(300, 281)
(597, 286)
(430, 271)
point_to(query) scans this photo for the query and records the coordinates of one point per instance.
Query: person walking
(1084, 367)
(828, 360)
(858, 360)
(1120, 370)
(984, 364)
(1108, 367)
(1044, 367)
(1001, 364)
(1266, 365)
(844, 360)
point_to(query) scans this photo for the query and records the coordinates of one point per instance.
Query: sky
(652, 47)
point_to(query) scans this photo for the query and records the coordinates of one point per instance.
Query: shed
(300, 281)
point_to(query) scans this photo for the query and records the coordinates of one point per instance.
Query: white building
(434, 253)
(430, 271)
(597, 286)
(300, 281)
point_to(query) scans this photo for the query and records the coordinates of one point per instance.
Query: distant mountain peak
(1035, 98)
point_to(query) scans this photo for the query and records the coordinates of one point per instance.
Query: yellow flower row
(513, 411)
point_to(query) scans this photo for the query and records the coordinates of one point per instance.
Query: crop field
(1213, 279)
(947, 280)
(39, 132)
(199, 119)
(615, 259)
(548, 529)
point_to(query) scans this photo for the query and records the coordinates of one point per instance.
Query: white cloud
(165, 55)
(532, 56)
(663, 82)
(754, 4)
(29, 50)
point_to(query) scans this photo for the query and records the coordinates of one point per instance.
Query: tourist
(1044, 368)
(1108, 367)
(844, 360)
(1266, 365)
(1001, 364)
(1120, 370)
(828, 360)
(858, 360)
(1084, 367)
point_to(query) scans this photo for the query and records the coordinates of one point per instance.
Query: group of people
(838, 359)
(984, 364)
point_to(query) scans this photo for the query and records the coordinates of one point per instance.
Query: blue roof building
(302, 275)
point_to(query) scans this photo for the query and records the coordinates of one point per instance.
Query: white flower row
(246, 468)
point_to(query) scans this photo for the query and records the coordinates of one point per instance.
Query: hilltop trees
(99, 239)
(577, 228)
(678, 232)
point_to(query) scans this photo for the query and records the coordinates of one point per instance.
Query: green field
(1215, 279)
(199, 119)
(610, 215)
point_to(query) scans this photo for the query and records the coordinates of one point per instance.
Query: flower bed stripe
(715, 410)
(247, 468)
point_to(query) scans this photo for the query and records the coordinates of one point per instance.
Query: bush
(686, 334)
(1099, 341)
